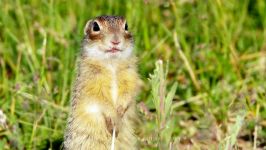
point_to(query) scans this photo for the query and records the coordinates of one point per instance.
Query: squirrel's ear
(86, 28)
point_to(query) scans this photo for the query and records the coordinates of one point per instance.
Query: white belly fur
(114, 88)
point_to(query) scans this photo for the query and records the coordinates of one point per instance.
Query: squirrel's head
(107, 37)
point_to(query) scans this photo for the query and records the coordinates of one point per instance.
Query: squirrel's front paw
(121, 111)
(110, 125)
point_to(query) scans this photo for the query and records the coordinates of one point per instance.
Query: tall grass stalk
(231, 139)
(163, 104)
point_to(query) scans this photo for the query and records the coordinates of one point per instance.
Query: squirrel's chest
(112, 84)
(123, 83)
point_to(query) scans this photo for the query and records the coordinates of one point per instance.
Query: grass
(216, 53)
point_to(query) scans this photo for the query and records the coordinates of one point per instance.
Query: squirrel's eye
(95, 26)
(126, 27)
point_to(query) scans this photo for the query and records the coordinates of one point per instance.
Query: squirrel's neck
(119, 63)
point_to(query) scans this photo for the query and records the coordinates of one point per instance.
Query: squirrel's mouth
(113, 50)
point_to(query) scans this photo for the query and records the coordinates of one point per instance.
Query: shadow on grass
(52, 144)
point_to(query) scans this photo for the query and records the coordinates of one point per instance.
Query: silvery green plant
(162, 101)
(230, 140)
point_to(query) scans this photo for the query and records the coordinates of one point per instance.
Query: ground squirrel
(105, 87)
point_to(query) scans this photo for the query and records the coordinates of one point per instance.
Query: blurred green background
(220, 68)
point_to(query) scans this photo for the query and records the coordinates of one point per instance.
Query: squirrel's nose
(115, 42)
